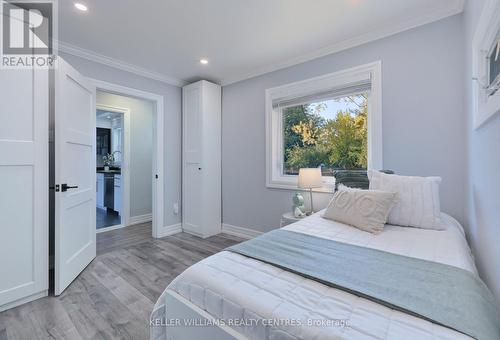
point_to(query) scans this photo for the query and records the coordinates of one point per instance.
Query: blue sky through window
(332, 107)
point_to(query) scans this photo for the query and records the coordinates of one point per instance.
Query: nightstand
(289, 218)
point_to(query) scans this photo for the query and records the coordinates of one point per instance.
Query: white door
(192, 169)
(24, 185)
(75, 202)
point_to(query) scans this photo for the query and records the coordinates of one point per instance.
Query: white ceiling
(165, 39)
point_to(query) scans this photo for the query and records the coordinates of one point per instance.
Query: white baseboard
(113, 227)
(169, 230)
(140, 219)
(191, 230)
(242, 232)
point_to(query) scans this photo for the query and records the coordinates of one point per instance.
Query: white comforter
(228, 285)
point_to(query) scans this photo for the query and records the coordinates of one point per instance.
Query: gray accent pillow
(367, 210)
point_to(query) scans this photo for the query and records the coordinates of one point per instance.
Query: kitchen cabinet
(118, 194)
(100, 190)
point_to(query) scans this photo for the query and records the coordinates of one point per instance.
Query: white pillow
(364, 209)
(417, 203)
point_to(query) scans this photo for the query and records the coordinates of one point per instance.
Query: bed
(266, 302)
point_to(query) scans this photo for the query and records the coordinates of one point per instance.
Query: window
(331, 133)
(486, 64)
(332, 122)
(494, 66)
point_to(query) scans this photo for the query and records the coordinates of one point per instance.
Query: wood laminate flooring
(114, 296)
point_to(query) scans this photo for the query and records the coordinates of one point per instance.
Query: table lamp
(310, 178)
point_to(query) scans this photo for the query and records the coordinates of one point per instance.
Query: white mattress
(231, 286)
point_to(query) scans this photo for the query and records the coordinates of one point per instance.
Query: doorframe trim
(125, 170)
(158, 146)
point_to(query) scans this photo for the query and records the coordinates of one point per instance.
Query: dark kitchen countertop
(111, 171)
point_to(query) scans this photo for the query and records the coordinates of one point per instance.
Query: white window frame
(274, 122)
(485, 106)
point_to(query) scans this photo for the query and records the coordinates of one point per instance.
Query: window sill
(327, 188)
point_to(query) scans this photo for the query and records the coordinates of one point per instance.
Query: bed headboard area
(354, 178)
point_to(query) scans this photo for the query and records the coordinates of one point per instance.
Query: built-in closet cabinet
(201, 164)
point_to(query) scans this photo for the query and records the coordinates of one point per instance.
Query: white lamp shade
(310, 178)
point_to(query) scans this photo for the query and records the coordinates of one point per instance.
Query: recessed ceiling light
(81, 7)
(203, 61)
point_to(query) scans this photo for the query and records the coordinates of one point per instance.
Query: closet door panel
(201, 159)
(24, 186)
(192, 159)
(193, 205)
(192, 123)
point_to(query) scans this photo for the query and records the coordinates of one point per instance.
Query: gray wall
(483, 209)
(141, 149)
(172, 129)
(422, 102)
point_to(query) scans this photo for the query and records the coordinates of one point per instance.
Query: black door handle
(65, 187)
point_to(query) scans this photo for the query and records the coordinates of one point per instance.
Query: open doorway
(110, 123)
(73, 239)
(119, 99)
(125, 158)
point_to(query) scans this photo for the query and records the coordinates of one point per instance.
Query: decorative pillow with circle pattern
(367, 210)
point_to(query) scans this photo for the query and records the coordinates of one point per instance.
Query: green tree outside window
(312, 140)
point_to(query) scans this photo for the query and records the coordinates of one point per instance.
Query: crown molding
(374, 35)
(118, 64)
(377, 34)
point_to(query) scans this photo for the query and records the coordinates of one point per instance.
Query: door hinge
(56, 188)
